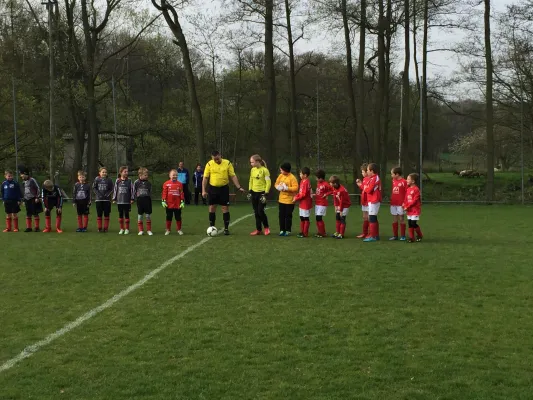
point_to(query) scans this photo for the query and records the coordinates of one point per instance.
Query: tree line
(174, 80)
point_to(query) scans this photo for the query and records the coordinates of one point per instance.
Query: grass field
(274, 318)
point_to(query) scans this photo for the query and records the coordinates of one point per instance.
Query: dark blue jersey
(11, 191)
(52, 197)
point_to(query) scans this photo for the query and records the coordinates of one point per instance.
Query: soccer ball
(212, 231)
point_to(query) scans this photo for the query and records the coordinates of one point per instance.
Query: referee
(217, 173)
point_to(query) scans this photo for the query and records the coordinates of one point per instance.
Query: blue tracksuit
(10, 191)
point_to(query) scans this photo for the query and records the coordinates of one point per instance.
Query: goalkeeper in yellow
(259, 187)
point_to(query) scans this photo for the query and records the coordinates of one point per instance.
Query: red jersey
(364, 195)
(412, 203)
(373, 189)
(399, 187)
(304, 195)
(173, 193)
(341, 198)
(323, 190)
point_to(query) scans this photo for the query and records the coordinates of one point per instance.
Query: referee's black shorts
(218, 195)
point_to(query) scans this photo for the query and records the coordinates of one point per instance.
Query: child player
(12, 199)
(413, 207)
(287, 185)
(103, 189)
(342, 203)
(399, 187)
(123, 196)
(364, 200)
(52, 197)
(32, 202)
(143, 195)
(81, 199)
(197, 178)
(373, 192)
(306, 202)
(323, 190)
(173, 201)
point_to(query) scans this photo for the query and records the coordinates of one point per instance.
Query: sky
(324, 40)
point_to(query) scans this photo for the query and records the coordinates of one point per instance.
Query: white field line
(30, 350)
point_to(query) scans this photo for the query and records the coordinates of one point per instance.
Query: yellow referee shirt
(219, 174)
(259, 180)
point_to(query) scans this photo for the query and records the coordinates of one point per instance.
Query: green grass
(275, 318)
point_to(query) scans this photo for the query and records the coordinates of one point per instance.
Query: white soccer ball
(212, 231)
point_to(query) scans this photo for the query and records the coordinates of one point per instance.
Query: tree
(489, 105)
(173, 22)
(404, 159)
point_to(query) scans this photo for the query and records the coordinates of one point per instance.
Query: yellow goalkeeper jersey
(259, 180)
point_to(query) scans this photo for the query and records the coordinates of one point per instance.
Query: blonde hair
(82, 173)
(142, 171)
(48, 185)
(101, 168)
(257, 157)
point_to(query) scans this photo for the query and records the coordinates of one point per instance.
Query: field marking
(30, 350)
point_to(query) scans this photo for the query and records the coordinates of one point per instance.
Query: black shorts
(144, 205)
(51, 203)
(11, 206)
(82, 207)
(33, 208)
(218, 195)
(103, 207)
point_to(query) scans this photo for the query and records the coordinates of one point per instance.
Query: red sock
(140, 226)
(48, 222)
(8, 223)
(85, 221)
(99, 223)
(169, 224)
(306, 228)
(302, 224)
(16, 222)
(127, 223)
(106, 223)
(58, 222)
(36, 221)
(121, 223)
(80, 222)
(402, 229)
(418, 232)
(373, 229)
(178, 225)
(412, 233)
(366, 225)
(28, 222)
(337, 226)
(343, 229)
(395, 229)
(321, 228)
(148, 225)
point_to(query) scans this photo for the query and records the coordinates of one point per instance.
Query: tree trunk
(215, 101)
(406, 107)
(425, 114)
(295, 140)
(269, 114)
(489, 106)
(378, 106)
(386, 92)
(361, 91)
(356, 151)
(93, 144)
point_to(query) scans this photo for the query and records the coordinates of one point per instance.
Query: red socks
(402, 229)
(106, 223)
(80, 222)
(36, 221)
(28, 222)
(99, 223)
(8, 223)
(366, 225)
(321, 227)
(412, 233)
(395, 229)
(374, 229)
(16, 222)
(121, 223)
(178, 225)
(149, 225)
(418, 232)
(343, 229)
(168, 225)
(140, 226)
(48, 222)
(58, 222)
(337, 226)
(127, 223)
(306, 228)
(85, 221)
